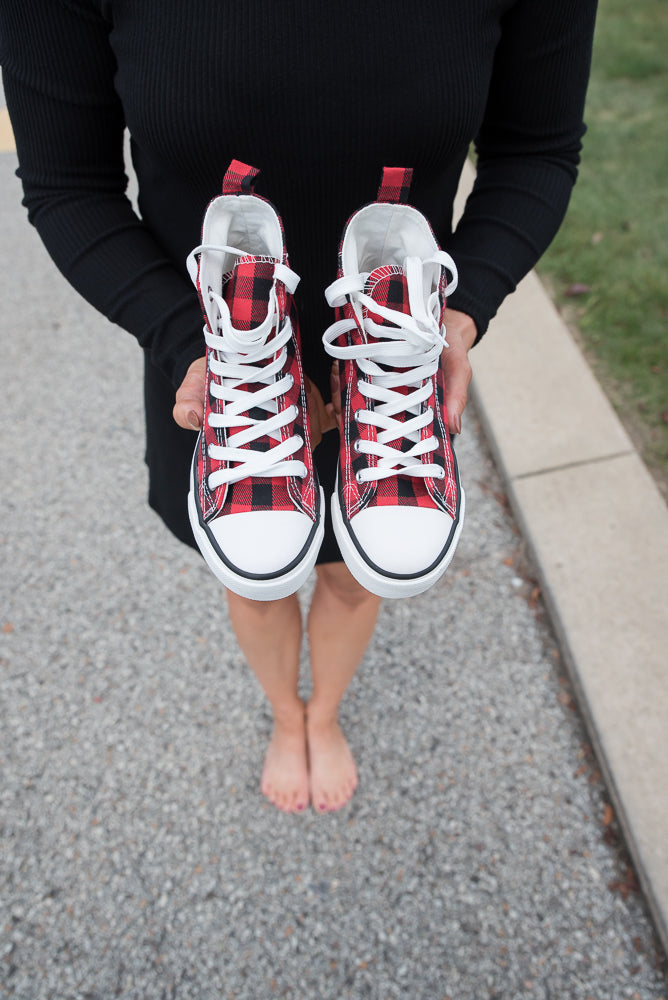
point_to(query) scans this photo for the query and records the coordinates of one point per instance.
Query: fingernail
(299, 807)
(193, 420)
(457, 420)
(322, 807)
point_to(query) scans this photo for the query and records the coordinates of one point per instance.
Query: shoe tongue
(388, 287)
(246, 290)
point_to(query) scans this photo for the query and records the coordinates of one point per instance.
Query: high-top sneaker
(254, 502)
(398, 508)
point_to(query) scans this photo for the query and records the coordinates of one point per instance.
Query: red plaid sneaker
(254, 501)
(398, 508)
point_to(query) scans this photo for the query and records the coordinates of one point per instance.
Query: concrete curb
(598, 529)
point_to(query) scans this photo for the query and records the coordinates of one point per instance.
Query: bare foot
(285, 775)
(333, 770)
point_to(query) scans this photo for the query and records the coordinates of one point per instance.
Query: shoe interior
(243, 222)
(383, 233)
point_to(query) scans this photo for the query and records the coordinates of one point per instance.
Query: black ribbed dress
(318, 95)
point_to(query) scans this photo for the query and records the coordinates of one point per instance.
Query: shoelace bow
(413, 344)
(233, 360)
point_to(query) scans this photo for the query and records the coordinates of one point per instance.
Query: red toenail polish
(300, 807)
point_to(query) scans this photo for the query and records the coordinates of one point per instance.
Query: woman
(321, 97)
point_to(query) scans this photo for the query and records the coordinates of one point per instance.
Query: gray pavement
(597, 527)
(478, 858)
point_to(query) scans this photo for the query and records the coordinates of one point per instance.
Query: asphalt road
(478, 859)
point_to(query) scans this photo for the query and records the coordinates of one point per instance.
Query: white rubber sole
(257, 590)
(379, 583)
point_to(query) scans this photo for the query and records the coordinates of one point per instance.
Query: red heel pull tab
(239, 178)
(396, 184)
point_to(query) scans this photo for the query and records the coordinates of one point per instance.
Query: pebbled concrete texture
(597, 527)
(479, 857)
(547, 409)
(611, 613)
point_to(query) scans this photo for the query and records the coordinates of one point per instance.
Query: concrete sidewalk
(478, 858)
(598, 530)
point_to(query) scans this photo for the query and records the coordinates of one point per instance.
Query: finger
(315, 411)
(315, 436)
(457, 378)
(331, 421)
(188, 409)
(335, 388)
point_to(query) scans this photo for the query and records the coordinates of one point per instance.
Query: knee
(343, 586)
(259, 611)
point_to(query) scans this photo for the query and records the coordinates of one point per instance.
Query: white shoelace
(234, 362)
(413, 343)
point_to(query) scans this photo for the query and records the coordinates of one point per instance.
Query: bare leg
(341, 621)
(269, 633)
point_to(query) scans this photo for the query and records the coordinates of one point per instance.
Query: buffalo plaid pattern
(387, 286)
(239, 178)
(396, 184)
(260, 493)
(246, 290)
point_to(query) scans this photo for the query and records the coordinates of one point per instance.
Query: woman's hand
(461, 334)
(335, 391)
(189, 407)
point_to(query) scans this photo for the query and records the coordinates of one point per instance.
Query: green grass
(615, 237)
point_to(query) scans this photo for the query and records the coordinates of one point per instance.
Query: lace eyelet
(357, 477)
(356, 445)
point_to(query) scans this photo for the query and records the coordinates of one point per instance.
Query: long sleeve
(58, 74)
(528, 150)
(198, 87)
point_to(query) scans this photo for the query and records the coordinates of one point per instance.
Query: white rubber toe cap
(263, 541)
(402, 540)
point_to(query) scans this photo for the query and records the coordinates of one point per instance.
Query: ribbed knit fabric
(319, 95)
